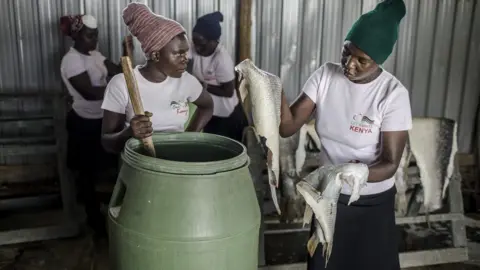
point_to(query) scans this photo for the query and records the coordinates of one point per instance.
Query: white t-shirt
(167, 101)
(350, 117)
(75, 63)
(216, 69)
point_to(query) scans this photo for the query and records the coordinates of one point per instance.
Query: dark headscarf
(209, 26)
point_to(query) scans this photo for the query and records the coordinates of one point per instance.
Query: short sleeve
(99, 56)
(225, 69)
(398, 114)
(116, 96)
(73, 65)
(194, 88)
(312, 86)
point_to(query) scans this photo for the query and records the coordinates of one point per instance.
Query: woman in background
(165, 88)
(84, 71)
(212, 65)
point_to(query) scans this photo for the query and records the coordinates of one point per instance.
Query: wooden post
(245, 29)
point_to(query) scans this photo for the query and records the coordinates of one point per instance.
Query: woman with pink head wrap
(165, 88)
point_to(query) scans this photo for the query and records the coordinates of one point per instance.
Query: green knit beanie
(376, 32)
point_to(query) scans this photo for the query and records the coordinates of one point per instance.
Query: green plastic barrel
(194, 207)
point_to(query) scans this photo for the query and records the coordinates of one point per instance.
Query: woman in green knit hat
(362, 115)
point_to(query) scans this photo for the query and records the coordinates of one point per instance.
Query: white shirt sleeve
(73, 65)
(224, 69)
(116, 95)
(194, 88)
(398, 114)
(312, 86)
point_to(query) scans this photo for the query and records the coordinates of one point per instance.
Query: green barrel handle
(116, 200)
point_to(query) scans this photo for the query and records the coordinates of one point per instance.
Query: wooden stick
(136, 100)
(127, 48)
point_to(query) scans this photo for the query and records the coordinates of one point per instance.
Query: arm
(114, 132)
(396, 122)
(392, 149)
(114, 69)
(84, 87)
(203, 113)
(295, 116)
(223, 90)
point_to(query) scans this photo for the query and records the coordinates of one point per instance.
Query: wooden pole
(136, 100)
(245, 29)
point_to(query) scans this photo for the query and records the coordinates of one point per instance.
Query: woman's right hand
(141, 127)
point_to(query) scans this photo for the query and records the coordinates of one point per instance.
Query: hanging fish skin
(292, 158)
(321, 190)
(433, 142)
(261, 93)
(401, 179)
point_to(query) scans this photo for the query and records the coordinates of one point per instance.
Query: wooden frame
(68, 225)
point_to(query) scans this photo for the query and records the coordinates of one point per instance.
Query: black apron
(84, 147)
(231, 126)
(365, 237)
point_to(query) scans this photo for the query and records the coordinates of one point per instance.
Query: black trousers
(365, 237)
(86, 157)
(231, 126)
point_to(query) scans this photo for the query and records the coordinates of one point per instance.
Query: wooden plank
(32, 94)
(20, 150)
(27, 140)
(68, 229)
(455, 199)
(25, 117)
(26, 173)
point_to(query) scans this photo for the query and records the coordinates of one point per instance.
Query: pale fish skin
(262, 92)
(321, 190)
(401, 177)
(292, 158)
(433, 142)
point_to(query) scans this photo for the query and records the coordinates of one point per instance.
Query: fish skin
(433, 143)
(401, 177)
(292, 158)
(321, 191)
(264, 91)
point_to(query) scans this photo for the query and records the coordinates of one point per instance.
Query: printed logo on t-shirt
(180, 107)
(209, 75)
(361, 124)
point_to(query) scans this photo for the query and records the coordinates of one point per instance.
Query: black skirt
(365, 237)
(231, 126)
(84, 147)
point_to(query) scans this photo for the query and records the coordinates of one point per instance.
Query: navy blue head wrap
(209, 25)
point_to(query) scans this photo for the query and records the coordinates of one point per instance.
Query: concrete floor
(82, 253)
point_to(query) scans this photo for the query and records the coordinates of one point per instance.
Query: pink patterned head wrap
(71, 24)
(152, 30)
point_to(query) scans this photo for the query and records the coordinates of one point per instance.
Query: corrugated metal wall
(32, 48)
(437, 56)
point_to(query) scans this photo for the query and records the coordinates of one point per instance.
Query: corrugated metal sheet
(437, 55)
(32, 47)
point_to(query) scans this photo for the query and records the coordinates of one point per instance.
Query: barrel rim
(137, 160)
